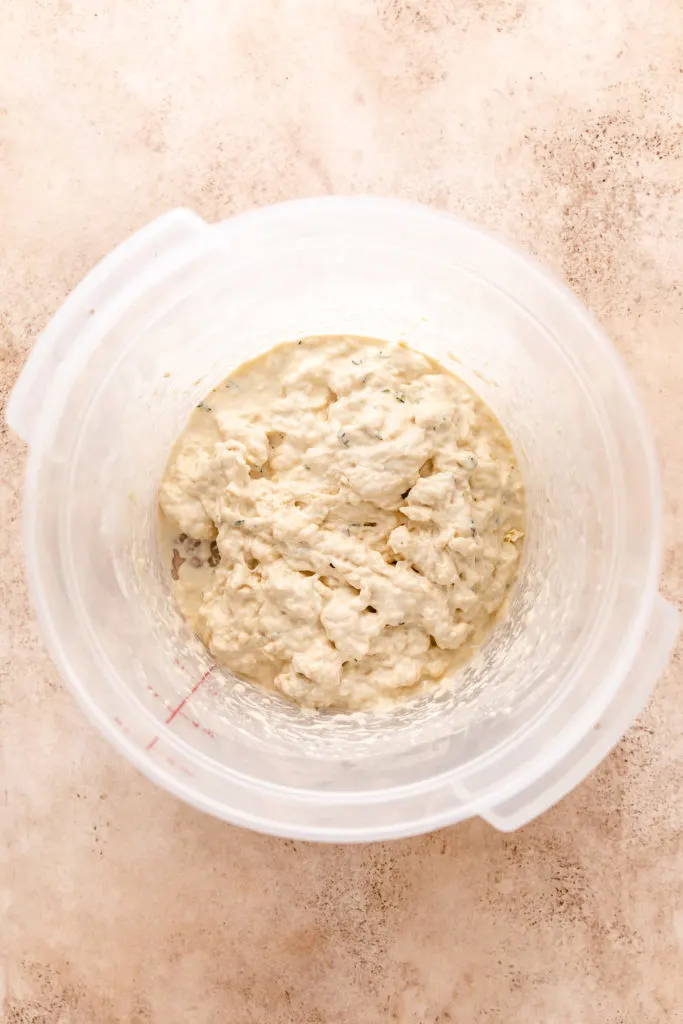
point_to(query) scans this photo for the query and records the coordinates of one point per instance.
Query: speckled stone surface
(556, 124)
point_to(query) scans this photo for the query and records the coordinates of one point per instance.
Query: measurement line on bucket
(183, 702)
(193, 721)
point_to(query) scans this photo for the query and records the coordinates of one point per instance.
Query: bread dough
(345, 518)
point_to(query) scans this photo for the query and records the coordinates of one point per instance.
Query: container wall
(492, 319)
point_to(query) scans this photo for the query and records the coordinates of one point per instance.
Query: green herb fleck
(344, 438)
(357, 362)
(203, 405)
(400, 398)
(238, 522)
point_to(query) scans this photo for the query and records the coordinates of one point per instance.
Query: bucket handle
(125, 270)
(627, 704)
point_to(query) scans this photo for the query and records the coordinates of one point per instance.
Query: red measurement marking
(169, 706)
(183, 702)
(181, 767)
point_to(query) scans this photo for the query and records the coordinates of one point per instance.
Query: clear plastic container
(109, 386)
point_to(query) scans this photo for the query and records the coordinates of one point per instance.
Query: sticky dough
(344, 519)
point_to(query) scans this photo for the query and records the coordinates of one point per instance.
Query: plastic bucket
(109, 386)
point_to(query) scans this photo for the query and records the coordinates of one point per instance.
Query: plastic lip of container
(108, 387)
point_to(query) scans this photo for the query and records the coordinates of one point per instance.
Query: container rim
(589, 714)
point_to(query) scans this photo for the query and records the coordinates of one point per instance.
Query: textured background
(556, 124)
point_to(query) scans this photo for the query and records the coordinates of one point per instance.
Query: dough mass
(344, 519)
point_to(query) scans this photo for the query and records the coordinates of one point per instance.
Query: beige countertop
(556, 124)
